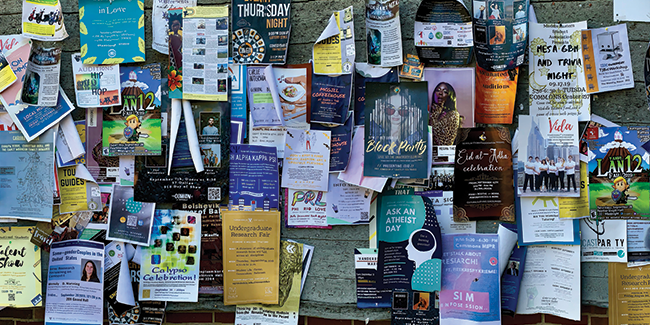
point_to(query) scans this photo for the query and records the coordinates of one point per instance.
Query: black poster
(260, 31)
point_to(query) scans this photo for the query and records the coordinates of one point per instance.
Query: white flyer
(383, 33)
(603, 240)
(307, 160)
(347, 204)
(556, 81)
(607, 61)
(160, 22)
(551, 281)
(96, 85)
(541, 222)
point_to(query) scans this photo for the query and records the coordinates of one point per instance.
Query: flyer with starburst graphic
(557, 83)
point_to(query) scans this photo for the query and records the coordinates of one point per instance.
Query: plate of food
(291, 92)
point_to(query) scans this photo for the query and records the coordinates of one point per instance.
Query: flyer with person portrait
(170, 265)
(396, 132)
(134, 128)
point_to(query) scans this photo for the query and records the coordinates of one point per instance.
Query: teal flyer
(111, 31)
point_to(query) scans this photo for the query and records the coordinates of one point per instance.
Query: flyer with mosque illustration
(134, 128)
(618, 174)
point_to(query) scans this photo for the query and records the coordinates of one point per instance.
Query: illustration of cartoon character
(619, 194)
(132, 129)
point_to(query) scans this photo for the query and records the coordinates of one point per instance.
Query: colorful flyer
(618, 175)
(305, 209)
(383, 33)
(443, 33)
(364, 73)
(607, 61)
(134, 128)
(254, 179)
(95, 85)
(451, 98)
(79, 192)
(160, 22)
(251, 233)
(557, 84)
(370, 294)
(175, 38)
(576, 207)
(628, 302)
(471, 283)
(20, 269)
(412, 68)
(260, 99)
(104, 169)
(27, 177)
(7, 76)
(129, 220)
(483, 175)
(43, 20)
(205, 53)
(170, 265)
(500, 32)
(495, 95)
(261, 33)
(16, 50)
(549, 156)
(41, 81)
(334, 51)
(396, 133)
(111, 31)
(306, 160)
(330, 98)
(291, 93)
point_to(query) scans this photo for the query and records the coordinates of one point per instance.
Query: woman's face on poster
(441, 93)
(395, 110)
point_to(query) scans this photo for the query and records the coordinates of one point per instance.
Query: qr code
(449, 42)
(364, 216)
(131, 221)
(12, 297)
(520, 59)
(214, 193)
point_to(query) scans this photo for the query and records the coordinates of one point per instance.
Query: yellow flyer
(78, 190)
(20, 268)
(334, 50)
(251, 259)
(577, 207)
(629, 297)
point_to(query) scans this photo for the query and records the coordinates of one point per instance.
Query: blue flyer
(254, 178)
(111, 31)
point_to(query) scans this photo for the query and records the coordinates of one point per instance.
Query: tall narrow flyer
(383, 33)
(557, 83)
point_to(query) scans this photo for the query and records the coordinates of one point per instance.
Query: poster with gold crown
(618, 173)
(133, 129)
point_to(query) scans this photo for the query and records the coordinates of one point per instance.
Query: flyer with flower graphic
(111, 31)
(557, 83)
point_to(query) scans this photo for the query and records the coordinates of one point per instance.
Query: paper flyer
(363, 73)
(251, 232)
(638, 249)
(348, 204)
(471, 281)
(20, 269)
(500, 32)
(26, 190)
(170, 265)
(576, 207)
(256, 186)
(205, 53)
(557, 82)
(628, 302)
(134, 128)
(412, 68)
(75, 283)
(175, 39)
(238, 102)
(370, 291)
(511, 280)
(16, 50)
(43, 20)
(260, 99)
(334, 52)
(291, 93)
(306, 160)
(71, 142)
(305, 209)
(548, 156)
(34, 120)
(540, 223)
(483, 175)
(111, 34)
(104, 169)
(79, 191)
(495, 95)
(160, 22)
(272, 136)
(7, 76)
(396, 134)
(354, 173)
(330, 98)
(551, 277)
(129, 221)
(96, 86)
(286, 311)
(261, 38)
(618, 187)
(383, 33)
(443, 33)
(603, 240)
(341, 143)
(449, 109)
(607, 51)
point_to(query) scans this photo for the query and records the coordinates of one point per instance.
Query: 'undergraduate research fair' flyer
(75, 283)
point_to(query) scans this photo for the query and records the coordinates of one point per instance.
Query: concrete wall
(330, 287)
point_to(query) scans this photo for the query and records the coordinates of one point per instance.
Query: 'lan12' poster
(134, 129)
(618, 174)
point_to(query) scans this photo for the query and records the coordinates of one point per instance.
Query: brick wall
(35, 316)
